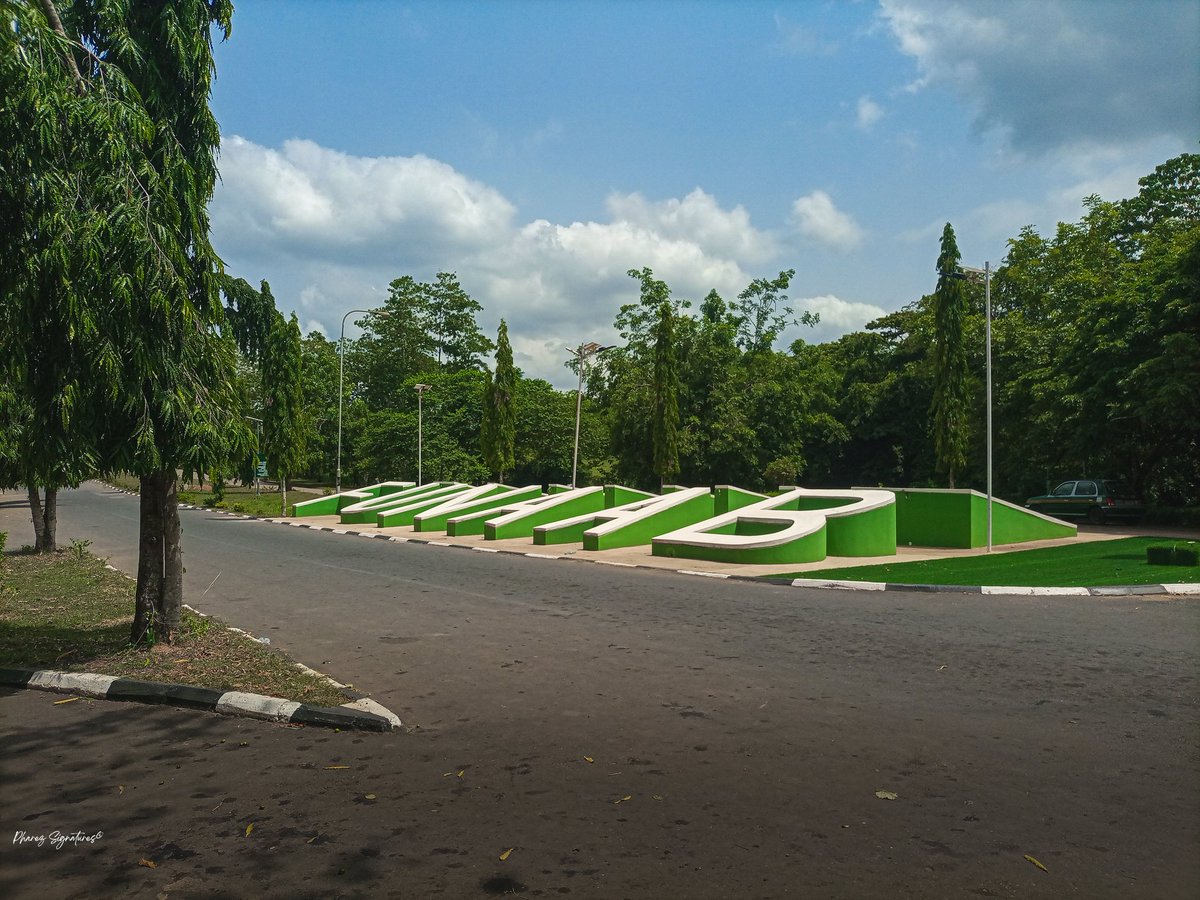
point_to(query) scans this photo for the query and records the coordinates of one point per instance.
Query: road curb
(230, 703)
(1128, 590)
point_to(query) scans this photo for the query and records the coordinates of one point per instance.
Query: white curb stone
(257, 706)
(367, 705)
(82, 683)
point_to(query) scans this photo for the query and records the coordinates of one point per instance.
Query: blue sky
(541, 149)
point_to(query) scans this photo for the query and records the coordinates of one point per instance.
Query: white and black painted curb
(232, 703)
(1132, 590)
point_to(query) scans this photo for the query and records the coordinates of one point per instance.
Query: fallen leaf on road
(370, 796)
(249, 828)
(940, 668)
(887, 795)
(337, 767)
(622, 800)
(461, 772)
(120, 788)
(1036, 863)
(68, 700)
(588, 759)
(506, 854)
(656, 796)
(148, 863)
(311, 839)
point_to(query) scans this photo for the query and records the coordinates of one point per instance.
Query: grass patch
(241, 500)
(66, 611)
(1093, 564)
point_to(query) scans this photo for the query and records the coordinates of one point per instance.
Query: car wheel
(1096, 516)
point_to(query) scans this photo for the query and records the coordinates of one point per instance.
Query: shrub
(239, 507)
(1179, 553)
(3, 539)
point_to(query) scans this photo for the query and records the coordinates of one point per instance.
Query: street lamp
(986, 272)
(420, 389)
(582, 353)
(258, 423)
(381, 313)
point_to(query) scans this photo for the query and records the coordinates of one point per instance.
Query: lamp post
(582, 353)
(420, 389)
(986, 272)
(383, 314)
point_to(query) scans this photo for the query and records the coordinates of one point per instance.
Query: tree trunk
(171, 606)
(50, 521)
(283, 493)
(150, 562)
(39, 522)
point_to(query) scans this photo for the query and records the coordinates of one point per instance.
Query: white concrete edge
(256, 706)
(82, 683)
(412, 496)
(702, 574)
(367, 705)
(1182, 588)
(837, 584)
(1018, 590)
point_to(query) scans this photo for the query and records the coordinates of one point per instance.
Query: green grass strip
(1094, 564)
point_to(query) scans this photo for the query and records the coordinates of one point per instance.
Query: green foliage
(284, 426)
(665, 411)
(950, 408)
(499, 427)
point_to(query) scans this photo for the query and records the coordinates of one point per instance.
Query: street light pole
(582, 353)
(420, 389)
(382, 313)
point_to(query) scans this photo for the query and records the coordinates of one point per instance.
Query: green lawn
(1092, 564)
(66, 611)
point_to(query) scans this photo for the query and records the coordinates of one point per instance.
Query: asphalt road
(749, 727)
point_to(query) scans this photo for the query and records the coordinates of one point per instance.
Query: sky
(540, 150)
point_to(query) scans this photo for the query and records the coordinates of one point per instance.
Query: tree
(762, 312)
(498, 434)
(107, 260)
(459, 342)
(666, 396)
(284, 431)
(951, 399)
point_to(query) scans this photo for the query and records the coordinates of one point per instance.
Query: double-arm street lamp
(420, 389)
(381, 313)
(582, 354)
(985, 273)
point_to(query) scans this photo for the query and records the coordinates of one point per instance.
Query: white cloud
(307, 198)
(816, 217)
(868, 112)
(1057, 75)
(330, 231)
(796, 40)
(840, 315)
(697, 218)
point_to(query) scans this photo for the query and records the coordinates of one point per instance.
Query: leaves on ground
(505, 855)
(623, 799)
(148, 863)
(588, 759)
(1036, 863)
(336, 767)
(68, 700)
(249, 828)
(887, 795)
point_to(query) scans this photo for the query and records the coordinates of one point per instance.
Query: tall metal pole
(420, 389)
(578, 411)
(337, 484)
(987, 301)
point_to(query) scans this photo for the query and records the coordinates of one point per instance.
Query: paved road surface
(750, 726)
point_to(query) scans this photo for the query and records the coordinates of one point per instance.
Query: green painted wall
(366, 512)
(727, 498)
(809, 548)
(868, 533)
(644, 529)
(557, 507)
(329, 506)
(958, 519)
(468, 523)
(436, 518)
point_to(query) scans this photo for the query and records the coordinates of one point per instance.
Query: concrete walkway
(641, 556)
